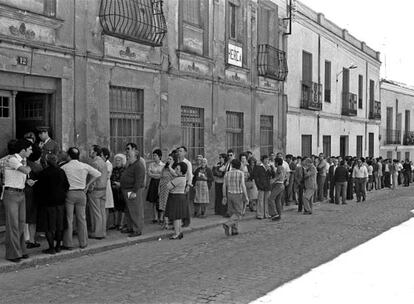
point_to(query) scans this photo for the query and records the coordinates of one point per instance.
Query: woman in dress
(177, 205)
(218, 172)
(202, 182)
(167, 174)
(32, 200)
(154, 173)
(51, 188)
(119, 202)
(109, 202)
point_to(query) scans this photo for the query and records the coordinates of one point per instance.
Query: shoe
(176, 237)
(83, 247)
(275, 218)
(259, 218)
(154, 221)
(113, 227)
(16, 260)
(49, 251)
(226, 230)
(300, 210)
(358, 201)
(134, 234)
(126, 230)
(344, 203)
(66, 248)
(96, 237)
(58, 249)
(25, 256)
(363, 199)
(307, 212)
(31, 245)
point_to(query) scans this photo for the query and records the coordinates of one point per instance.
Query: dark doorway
(343, 146)
(32, 110)
(306, 145)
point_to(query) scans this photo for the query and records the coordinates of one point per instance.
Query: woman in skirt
(51, 188)
(202, 182)
(154, 173)
(109, 202)
(119, 202)
(167, 174)
(177, 205)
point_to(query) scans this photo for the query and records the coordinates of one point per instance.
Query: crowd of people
(47, 190)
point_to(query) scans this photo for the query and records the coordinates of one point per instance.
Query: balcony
(271, 62)
(375, 112)
(311, 96)
(349, 104)
(392, 137)
(409, 138)
(140, 21)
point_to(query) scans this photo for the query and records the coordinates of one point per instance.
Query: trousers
(75, 202)
(340, 191)
(96, 204)
(360, 186)
(15, 209)
(134, 211)
(262, 208)
(235, 210)
(275, 199)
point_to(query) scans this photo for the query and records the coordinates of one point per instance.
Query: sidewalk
(114, 239)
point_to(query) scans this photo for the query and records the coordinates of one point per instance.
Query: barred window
(33, 110)
(266, 134)
(234, 132)
(126, 114)
(4, 107)
(192, 130)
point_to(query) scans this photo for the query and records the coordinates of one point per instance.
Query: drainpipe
(75, 133)
(367, 104)
(318, 130)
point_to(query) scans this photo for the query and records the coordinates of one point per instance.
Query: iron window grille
(4, 107)
(349, 104)
(271, 62)
(141, 21)
(375, 113)
(192, 130)
(311, 96)
(392, 137)
(234, 132)
(126, 115)
(266, 134)
(33, 110)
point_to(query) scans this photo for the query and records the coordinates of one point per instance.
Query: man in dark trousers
(132, 185)
(407, 172)
(331, 173)
(340, 179)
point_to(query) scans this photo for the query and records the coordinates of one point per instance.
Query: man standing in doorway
(46, 144)
(132, 185)
(15, 174)
(97, 195)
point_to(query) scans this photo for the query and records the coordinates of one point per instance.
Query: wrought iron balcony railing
(349, 104)
(141, 21)
(375, 112)
(392, 137)
(409, 138)
(271, 62)
(311, 96)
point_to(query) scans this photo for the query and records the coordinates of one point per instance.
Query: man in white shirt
(360, 176)
(15, 175)
(77, 174)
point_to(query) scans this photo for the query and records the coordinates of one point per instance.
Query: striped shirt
(233, 182)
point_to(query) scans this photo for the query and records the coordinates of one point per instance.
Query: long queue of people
(46, 190)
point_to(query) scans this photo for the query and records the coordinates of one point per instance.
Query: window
(194, 26)
(4, 107)
(32, 109)
(126, 115)
(43, 7)
(192, 130)
(371, 94)
(360, 90)
(306, 66)
(233, 21)
(266, 134)
(359, 146)
(399, 155)
(268, 25)
(306, 145)
(389, 154)
(326, 144)
(141, 21)
(327, 81)
(371, 144)
(234, 132)
(407, 155)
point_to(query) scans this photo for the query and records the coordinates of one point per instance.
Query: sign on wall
(235, 55)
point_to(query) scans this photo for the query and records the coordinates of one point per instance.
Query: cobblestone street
(206, 266)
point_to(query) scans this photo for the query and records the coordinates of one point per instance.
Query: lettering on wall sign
(22, 60)
(235, 55)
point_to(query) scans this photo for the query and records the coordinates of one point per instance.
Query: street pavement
(208, 267)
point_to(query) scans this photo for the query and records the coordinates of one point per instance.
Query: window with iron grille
(4, 107)
(266, 134)
(194, 26)
(234, 132)
(360, 90)
(141, 21)
(192, 130)
(43, 7)
(326, 145)
(233, 20)
(126, 114)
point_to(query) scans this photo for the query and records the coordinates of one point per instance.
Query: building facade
(333, 89)
(161, 74)
(397, 135)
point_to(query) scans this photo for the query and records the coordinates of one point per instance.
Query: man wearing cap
(47, 144)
